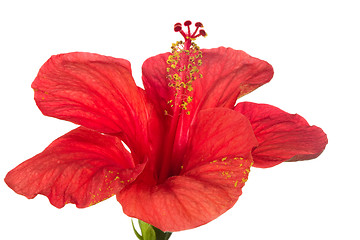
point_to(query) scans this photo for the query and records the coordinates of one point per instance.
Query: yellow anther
(184, 105)
(182, 84)
(182, 69)
(177, 77)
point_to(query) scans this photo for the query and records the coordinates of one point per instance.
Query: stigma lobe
(189, 35)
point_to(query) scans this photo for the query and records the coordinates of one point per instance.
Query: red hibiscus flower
(191, 149)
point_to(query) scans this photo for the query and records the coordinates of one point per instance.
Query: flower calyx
(149, 232)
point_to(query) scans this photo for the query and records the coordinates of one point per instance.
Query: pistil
(182, 71)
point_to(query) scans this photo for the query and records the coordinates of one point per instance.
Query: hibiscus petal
(82, 167)
(282, 136)
(209, 182)
(91, 90)
(227, 75)
(217, 133)
(155, 80)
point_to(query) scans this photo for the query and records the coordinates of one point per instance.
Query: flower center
(182, 71)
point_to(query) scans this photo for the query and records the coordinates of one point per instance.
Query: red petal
(155, 80)
(95, 91)
(282, 136)
(209, 183)
(82, 167)
(228, 75)
(217, 133)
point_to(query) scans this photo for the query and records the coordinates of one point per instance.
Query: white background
(314, 49)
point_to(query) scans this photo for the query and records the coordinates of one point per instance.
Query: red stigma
(177, 27)
(198, 24)
(190, 36)
(187, 23)
(202, 33)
